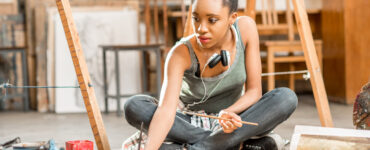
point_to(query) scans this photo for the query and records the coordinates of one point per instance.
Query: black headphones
(215, 59)
(224, 57)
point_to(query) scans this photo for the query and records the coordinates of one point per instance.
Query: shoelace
(253, 147)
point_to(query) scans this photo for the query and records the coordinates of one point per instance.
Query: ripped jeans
(272, 109)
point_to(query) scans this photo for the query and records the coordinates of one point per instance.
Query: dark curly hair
(232, 4)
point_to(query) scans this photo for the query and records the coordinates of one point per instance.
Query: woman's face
(211, 22)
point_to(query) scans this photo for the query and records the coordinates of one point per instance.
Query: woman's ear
(233, 17)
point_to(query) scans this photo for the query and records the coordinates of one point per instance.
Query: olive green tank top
(230, 83)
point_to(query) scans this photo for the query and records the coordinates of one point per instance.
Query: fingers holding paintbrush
(215, 117)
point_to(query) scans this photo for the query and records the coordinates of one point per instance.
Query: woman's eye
(195, 19)
(213, 20)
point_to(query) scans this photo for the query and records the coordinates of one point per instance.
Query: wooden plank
(179, 28)
(165, 24)
(19, 34)
(274, 13)
(312, 11)
(156, 22)
(312, 63)
(18, 71)
(83, 76)
(147, 21)
(175, 14)
(289, 18)
(274, 27)
(183, 12)
(289, 59)
(31, 62)
(40, 50)
(50, 49)
(165, 34)
(295, 44)
(250, 9)
(188, 25)
(147, 41)
(264, 17)
(269, 13)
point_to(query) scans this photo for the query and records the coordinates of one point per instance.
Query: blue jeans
(272, 109)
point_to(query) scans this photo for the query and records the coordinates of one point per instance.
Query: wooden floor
(34, 126)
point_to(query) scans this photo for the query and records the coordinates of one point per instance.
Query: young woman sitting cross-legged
(215, 71)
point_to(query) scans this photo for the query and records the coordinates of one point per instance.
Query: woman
(230, 45)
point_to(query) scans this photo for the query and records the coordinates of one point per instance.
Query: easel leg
(83, 76)
(312, 63)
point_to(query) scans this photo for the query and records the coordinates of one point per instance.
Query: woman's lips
(203, 39)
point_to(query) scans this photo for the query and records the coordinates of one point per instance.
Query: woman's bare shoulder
(247, 26)
(179, 54)
(245, 22)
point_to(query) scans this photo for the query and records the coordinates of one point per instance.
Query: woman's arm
(178, 60)
(253, 90)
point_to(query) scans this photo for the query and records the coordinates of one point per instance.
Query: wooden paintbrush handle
(214, 117)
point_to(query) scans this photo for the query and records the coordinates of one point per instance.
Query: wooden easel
(311, 58)
(83, 76)
(312, 63)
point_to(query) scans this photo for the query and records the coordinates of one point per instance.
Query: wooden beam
(40, 50)
(31, 62)
(183, 12)
(147, 22)
(83, 76)
(188, 25)
(156, 22)
(250, 9)
(312, 63)
(165, 23)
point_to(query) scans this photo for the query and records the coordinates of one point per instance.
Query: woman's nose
(202, 28)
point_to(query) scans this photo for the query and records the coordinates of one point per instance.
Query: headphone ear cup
(225, 57)
(214, 61)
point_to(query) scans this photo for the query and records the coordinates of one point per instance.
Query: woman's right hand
(229, 126)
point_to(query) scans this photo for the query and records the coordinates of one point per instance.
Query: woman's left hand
(229, 126)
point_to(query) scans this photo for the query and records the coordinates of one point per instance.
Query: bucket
(80, 145)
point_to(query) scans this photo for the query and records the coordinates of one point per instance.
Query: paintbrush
(215, 117)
